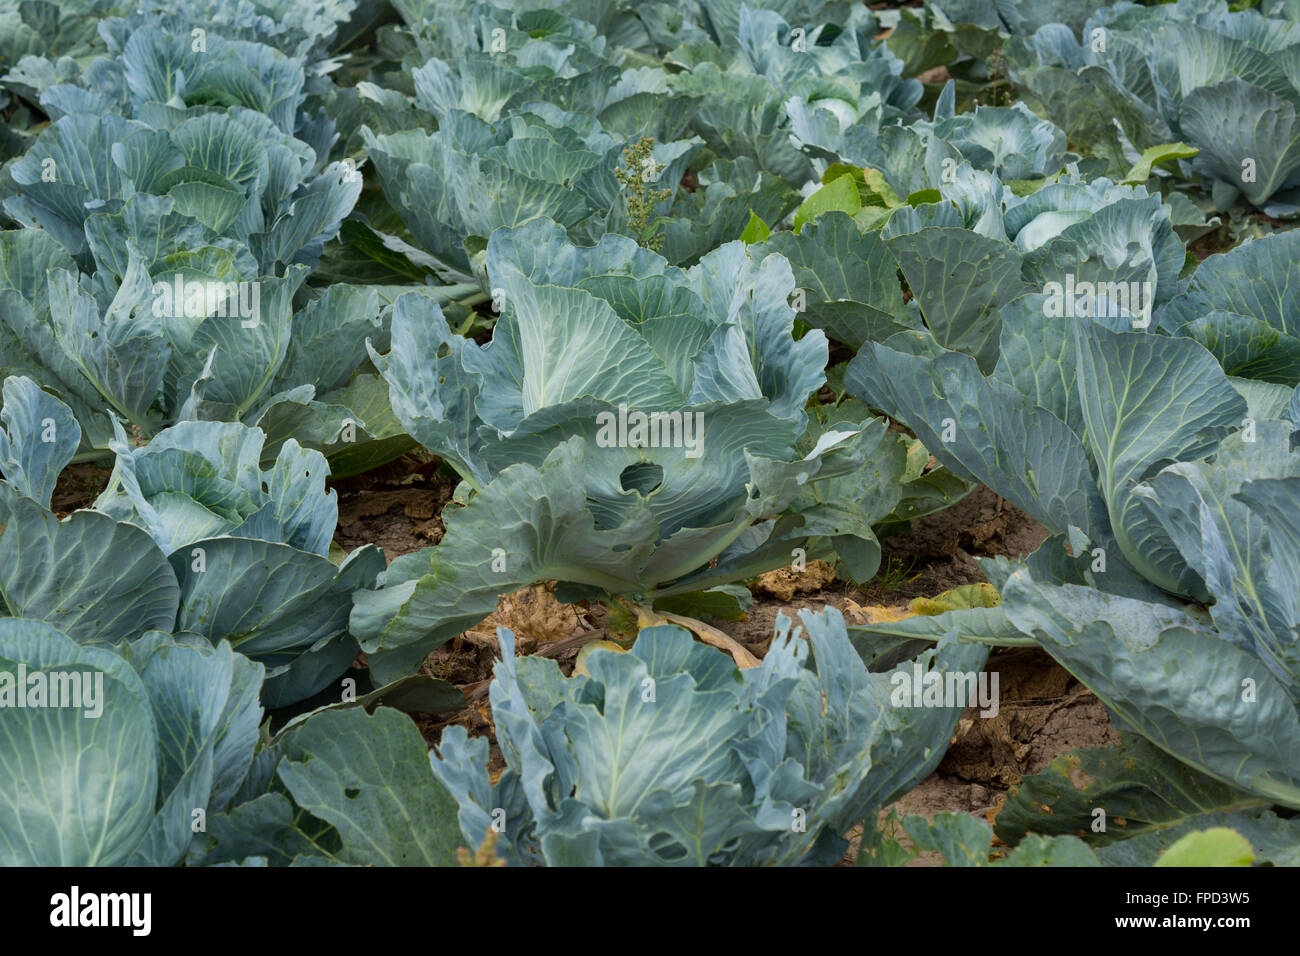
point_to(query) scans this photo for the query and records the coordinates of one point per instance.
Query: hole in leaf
(643, 477)
(666, 848)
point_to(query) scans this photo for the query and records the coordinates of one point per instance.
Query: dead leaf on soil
(534, 615)
(875, 613)
(784, 583)
(580, 664)
(957, 599)
(705, 632)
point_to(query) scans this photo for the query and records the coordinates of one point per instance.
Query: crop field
(670, 433)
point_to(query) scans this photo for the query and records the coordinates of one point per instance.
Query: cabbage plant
(1241, 305)
(632, 428)
(175, 207)
(1217, 687)
(147, 744)
(152, 737)
(1096, 247)
(776, 86)
(190, 536)
(667, 755)
(532, 115)
(445, 28)
(1222, 80)
(1169, 582)
(1012, 18)
(913, 153)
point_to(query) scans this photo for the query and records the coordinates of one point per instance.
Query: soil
(78, 487)
(397, 506)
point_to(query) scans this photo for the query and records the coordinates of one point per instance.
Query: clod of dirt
(400, 512)
(981, 523)
(784, 583)
(419, 503)
(466, 659)
(940, 794)
(1043, 712)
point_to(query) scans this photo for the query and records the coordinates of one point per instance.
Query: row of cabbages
(1154, 439)
(160, 624)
